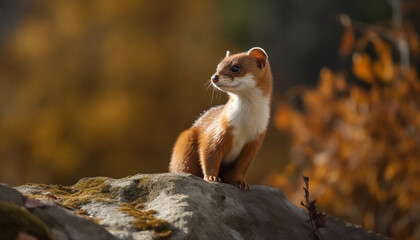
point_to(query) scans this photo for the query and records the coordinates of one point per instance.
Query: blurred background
(91, 88)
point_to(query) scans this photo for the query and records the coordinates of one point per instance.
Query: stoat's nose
(215, 78)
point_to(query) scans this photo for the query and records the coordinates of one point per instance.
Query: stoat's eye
(235, 68)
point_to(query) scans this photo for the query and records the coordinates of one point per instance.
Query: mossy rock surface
(117, 204)
(73, 197)
(182, 206)
(30, 219)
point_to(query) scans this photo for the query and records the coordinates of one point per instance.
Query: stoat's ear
(259, 54)
(227, 53)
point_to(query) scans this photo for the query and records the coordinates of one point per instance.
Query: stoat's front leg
(235, 174)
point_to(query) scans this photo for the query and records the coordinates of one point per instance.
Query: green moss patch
(143, 181)
(146, 220)
(84, 192)
(15, 219)
(97, 190)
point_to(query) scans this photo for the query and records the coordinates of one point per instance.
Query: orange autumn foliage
(359, 145)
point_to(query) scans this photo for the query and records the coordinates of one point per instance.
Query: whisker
(207, 85)
(212, 94)
(219, 94)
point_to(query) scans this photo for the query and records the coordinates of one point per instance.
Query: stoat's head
(244, 73)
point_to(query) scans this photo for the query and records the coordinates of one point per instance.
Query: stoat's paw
(211, 178)
(242, 185)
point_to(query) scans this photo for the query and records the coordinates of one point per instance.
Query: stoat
(224, 140)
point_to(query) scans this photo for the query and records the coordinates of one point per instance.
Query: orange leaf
(383, 67)
(347, 41)
(362, 67)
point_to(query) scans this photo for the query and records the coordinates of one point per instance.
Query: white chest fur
(249, 114)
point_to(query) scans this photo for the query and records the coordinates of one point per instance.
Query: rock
(174, 206)
(43, 220)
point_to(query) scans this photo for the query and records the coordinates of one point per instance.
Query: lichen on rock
(101, 190)
(146, 219)
(175, 206)
(83, 192)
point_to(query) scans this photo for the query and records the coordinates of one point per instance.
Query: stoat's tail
(185, 156)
